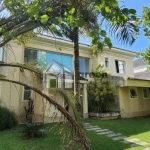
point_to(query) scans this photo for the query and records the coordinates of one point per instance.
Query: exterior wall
(12, 95)
(133, 107)
(118, 55)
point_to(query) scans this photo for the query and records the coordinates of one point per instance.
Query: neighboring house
(141, 69)
(56, 56)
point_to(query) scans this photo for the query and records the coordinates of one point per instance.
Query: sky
(142, 42)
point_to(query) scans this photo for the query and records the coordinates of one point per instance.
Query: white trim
(136, 92)
(143, 92)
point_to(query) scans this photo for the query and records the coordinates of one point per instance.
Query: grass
(133, 128)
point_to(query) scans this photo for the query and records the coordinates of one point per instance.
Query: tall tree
(146, 27)
(92, 16)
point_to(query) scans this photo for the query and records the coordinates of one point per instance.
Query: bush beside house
(101, 93)
(7, 119)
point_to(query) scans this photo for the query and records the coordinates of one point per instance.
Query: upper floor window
(44, 58)
(106, 62)
(84, 64)
(30, 56)
(120, 66)
(146, 93)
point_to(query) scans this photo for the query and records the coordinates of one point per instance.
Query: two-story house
(56, 56)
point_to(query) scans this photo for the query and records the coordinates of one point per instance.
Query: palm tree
(123, 30)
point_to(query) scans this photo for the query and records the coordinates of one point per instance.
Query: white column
(85, 101)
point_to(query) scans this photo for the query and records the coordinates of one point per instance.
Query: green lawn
(133, 128)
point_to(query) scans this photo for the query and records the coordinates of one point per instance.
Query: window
(133, 92)
(44, 58)
(1, 52)
(84, 64)
(30, 56)
(146, 92)
(53, 83)
(120, 66)
(27, 93)
(106, 62)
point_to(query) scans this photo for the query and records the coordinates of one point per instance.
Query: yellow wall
(117, 56)
(12, 97)
(133, 107)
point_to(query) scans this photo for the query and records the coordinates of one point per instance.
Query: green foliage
(146, 24)
(146, 21)
(31, 130)
(53, 16)
(7, 119)
(29, 111)
(101, 92)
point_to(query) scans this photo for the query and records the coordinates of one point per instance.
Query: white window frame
(124, 66)
(107, 62)
(1, 54)
(0, 89)
(25, 100)
(135, 88)
(146, 93)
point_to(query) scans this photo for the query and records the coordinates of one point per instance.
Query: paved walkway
(134, 142)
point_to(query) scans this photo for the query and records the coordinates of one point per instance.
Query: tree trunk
(75, 125)
(76, 62)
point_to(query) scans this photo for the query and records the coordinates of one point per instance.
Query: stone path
(134, 142)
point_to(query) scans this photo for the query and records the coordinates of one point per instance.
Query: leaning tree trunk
(76, 62)
(75, 125)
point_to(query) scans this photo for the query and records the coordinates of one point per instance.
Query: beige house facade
(133, 95)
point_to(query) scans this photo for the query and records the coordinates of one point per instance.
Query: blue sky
(142, 42)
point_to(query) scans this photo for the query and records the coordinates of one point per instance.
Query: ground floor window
(146, 92)
(27, 93)
(133, 92)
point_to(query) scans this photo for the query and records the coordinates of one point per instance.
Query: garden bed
(105, 116)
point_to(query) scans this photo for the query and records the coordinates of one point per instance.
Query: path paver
(101, 130)
(134, 142)
(143, 143)
(126, 142)
(92, 128)
(147, 148)
(135, 145)
(104, 133)
(114, 135)
(118, 138)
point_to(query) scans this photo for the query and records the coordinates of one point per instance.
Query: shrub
(7, 119)
(31, 130)
(101, 93)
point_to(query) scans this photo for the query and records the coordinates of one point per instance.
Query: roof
(142, 75)
(61, 39)
(139, 63)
